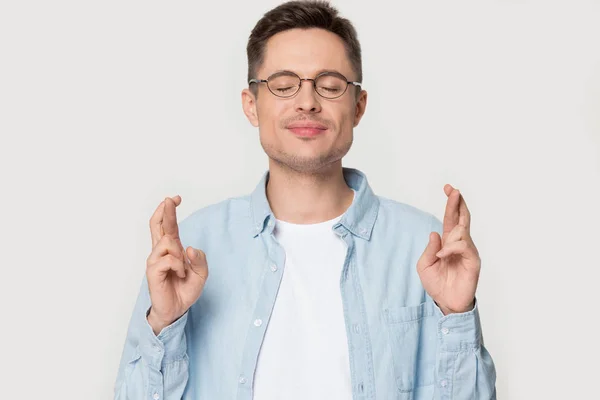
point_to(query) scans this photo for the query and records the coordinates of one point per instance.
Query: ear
(249, 106)
(361, 106)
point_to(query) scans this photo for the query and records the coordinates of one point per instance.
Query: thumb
(197, 257)
(429, 254)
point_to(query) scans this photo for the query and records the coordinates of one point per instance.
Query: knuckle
(152, 258)
(177, 262)
(159, 246)
(170, 259)
(152, 265)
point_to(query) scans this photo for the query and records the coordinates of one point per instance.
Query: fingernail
(439, 254)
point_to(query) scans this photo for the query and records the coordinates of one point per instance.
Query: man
(318, 288)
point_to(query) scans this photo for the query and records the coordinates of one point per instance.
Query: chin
(307, 163)
(307, 159)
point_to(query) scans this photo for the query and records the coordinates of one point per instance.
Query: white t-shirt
(304, 354)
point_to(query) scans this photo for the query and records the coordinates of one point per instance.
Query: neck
(307, 198)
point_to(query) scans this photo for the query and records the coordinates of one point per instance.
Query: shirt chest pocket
(412, 332)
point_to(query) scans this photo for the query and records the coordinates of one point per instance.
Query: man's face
(306, 53)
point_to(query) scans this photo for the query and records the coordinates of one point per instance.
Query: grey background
(108, 107)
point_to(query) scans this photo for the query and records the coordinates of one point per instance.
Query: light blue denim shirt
(400, 344)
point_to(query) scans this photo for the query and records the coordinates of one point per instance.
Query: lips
(307, 129)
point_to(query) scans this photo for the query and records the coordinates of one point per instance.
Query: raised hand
(175, 276)
(449, 266)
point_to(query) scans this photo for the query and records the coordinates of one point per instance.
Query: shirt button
(356, 328)
(257, 322)
(363, 231)
(270, 222)
(155, 396)
(242, 379)
(445, 330)
(273, 267)
(444, 383)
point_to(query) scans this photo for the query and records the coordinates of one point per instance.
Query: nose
(307, 100)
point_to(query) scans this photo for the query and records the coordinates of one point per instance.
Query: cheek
(345, 114)
(269, 117)
(346, 122)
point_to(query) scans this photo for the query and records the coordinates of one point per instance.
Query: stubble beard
(306, 164)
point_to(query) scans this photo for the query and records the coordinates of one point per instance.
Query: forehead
(305, 52)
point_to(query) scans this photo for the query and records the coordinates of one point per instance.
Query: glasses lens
(330, 85)
(284, 85)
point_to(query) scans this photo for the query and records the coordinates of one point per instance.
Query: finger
(168, 263)
(169, 221)
(428, 257)
(156, 230)
(458, 233)
(155, 224)
(448, 188)
(464, 218)
(195, 261)
(177, 201)
(462, 247)
(166, 245)
(451, 215)
(197, 258)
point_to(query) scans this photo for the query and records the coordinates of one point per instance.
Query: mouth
(307, 129)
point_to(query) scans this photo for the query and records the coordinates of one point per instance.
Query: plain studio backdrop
(107, 107)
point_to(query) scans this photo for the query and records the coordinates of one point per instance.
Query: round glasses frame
(314, 83)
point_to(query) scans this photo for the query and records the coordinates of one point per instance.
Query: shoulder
(405, 215)
(216, 216)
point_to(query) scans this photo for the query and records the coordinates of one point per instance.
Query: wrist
(155, 323)
(447, 310)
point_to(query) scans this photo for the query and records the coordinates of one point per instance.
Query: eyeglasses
(328, 84)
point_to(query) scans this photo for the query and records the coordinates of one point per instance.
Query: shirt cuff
(170, 344)
(460, 331)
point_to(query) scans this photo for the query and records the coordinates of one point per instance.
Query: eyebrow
(317, 73)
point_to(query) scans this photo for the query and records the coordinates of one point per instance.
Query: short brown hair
(304, 15)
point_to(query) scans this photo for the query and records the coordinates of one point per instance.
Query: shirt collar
(359, 218)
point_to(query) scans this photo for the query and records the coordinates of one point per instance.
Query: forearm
(152, 366)
(144, 382)
(464, 367)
